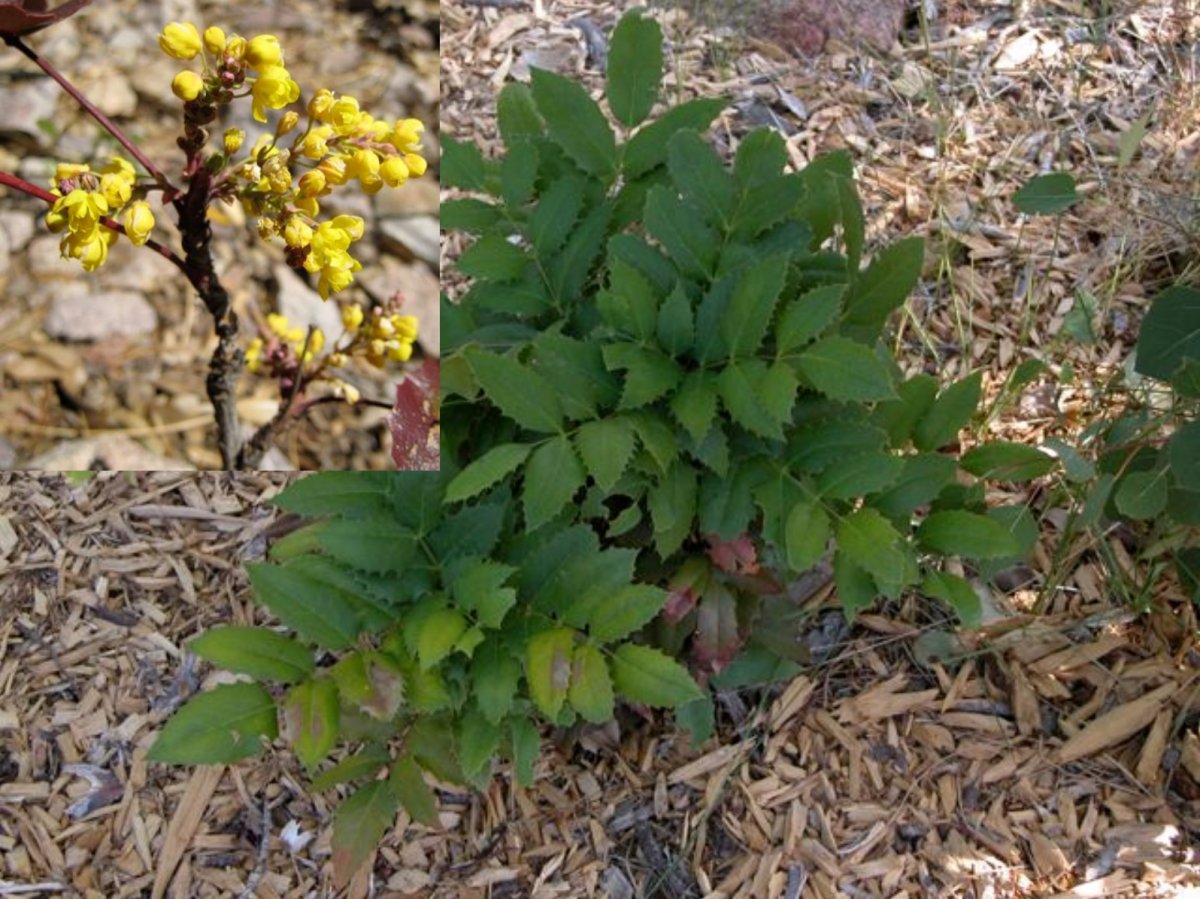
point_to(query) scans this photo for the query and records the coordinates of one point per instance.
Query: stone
(18, 226)
(804, 26)
(418, 196)
(8, 455)
(303, 306)
(81, 315)
(46, 262)
(414, 235)
(26, 104)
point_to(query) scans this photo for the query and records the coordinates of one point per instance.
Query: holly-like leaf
(806, 535)
(369, 544)
(358, 824)
(646, 675)
(752, 305)
(808, 316)
(635, 62)
(949, 414)
(648, 148)
(957, 593)
(494, 258)
(590, 691)
(306, 605)
(1004, 461)
(552, 476)
(256, 651)
(621, 614)
(957, 532)
(486, 470)
(310, 714)
(517, 390)
(870, 541)
(478, 740)
(648, 373)
(223, 725)
(414, 794)
(575, 122)
(882, 287)
(700, 175)
(494, 679)
(846, 370)
(606, 445)
(548, 668)
(439, 631)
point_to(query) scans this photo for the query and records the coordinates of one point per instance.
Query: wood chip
(1115, 726)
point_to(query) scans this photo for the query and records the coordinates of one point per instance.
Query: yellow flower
(345, 115)
(234, 137)
(316, 343)
(347, 392)
(296, 233)
(187, 85)
(214, 40)
(274, 89)
(320, 104)
(393, 171)
(83, 209)
(416, 164)
(406, 136)
(66, 170)
(180, 40)
(90, 248)
(254, 355)
(287, 122)
(406, 327)
(139, 222)
(117, 189)
(363, 165)
(235, 47)
(352, 317)
(334, 170)
(263, 51)
(313, 144)
(399, 350)
(312, 184)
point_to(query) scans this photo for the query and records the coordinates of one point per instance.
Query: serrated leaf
(438, 633)
(899, 416)
(494, 679)
(570, 270)
(518, 171)
(766, 205)
(310, 713)
(548, 668)
(649, 374)
(657, 437)
(461, 165)
(870, 541)
(590, 691)
(478, 741)
(853, 225)
(672, 504)
(859, 475)
(960, 533)
(957, 593)
(949, 414)
(517, 390)
(606, 446)
(526, 747)
(221, 726)
(360, 765)
(346, 493)
(468, 215)
(1005, 461)
(552, 476)
(648, 148)
(486, 470)
(882, 287)
(1141, 495)
(816, 445)
(478, 586)
(635, 62)
(304, 604)
(805, 318)
(555, 214)
(370, 544)
(752, 304)
(516, 114)
(1047, 194)
(726, 503)
(921, 479)
(621, 614)
(358, 824)
(575, 122)
(649, 676)
(675, 328)
(777, 392)
(414, 794)
(694, 405)
(843, 369)
(806, 535)
(739, 385)
(629, 304)
(699, 175)
(855, 588)
(494, 258)
(256, 651)
(690, 243)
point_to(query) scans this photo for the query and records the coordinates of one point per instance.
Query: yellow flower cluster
(84, 198)
(284, 344)
(388, 336)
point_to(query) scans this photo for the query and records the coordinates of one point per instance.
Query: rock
(417, 196)
(804, 26)
(112, 452)
(18, 226)
(110, 91)
(86, 315)
(8, 455)
(46, 262)
(303, 306)
(409, 236)
(26, 104)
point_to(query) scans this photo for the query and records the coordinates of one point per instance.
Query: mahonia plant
(665, 396)
(281, 177)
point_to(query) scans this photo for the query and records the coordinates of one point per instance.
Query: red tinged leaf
(684, 589)
(717, 639)
(20, 17)
(679, 603)
(415, 419)
(735, 556)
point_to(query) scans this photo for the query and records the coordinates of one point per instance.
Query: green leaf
(223, 725)
(922, 478)
(517, 114)
(590, 692)
(552, 476)
(1170, 333)
(648, 373)
(805, 318)
(555, 214)
(478, 740)
(548, 668)
(651, 677)
(657, 436)
(370, 544)
(806, 535)
(625, 611)
(478, 587)
(494, 258)
(305, 605)
(690, 243)
(629, 304)
(635, 62)
(959, 533)
(606, 446)
(520, 392)
(1183, 455)
(699, 175)
(494, 679)
(676, 328)
(820, 204)
(310, 712)
(461, 165)
(648, 148)
(726, 503)
(468, 215)
(843, 369)
(956, 592)
(855, 588)
(1047, 194)
(256, 651)
(949, 414)
(858, 475)
(882, 287)
(698, 717)
(437, 634)
(694, 405)
(739, 384)
(358, 825)
(571, 269)
(1005, 461)
(518, 171)
(817, 444)
(358, 766)
(486, 470)
(576, 369)
(869, 540)
(760, 157)
(752, 305)
(1142, 495)
(338, 493)
(1077, 467)
(414, 794)
(672, 503)
(853, 225)
(777, 392)
(526, 747)
(431, 740)
(575, 122)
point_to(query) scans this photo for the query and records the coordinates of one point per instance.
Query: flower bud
(393, 171)
(187, 85)
(415, 163)
(312, 183)
(263, 51)
(287, 122)
(352, 317)
(348, 392)
(139, 222)
(234, 137)
(180, 40)
(296, 233)
(337, 360)
(235, 48)
(214, 40)
(320, 104)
